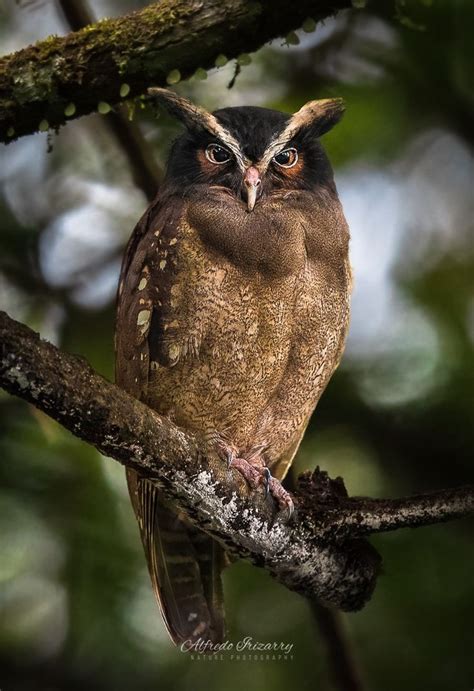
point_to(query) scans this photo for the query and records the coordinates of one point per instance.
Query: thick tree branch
(318, 554)
(61, 78)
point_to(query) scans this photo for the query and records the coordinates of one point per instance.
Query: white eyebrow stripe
(183, 109)
(305, 116)
(230, 142)
(274, 148)
(281, 140)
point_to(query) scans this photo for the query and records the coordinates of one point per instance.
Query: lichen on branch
(60, 78)
(320, 553)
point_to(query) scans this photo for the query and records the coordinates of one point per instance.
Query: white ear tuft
(196, 118)
(318, 116)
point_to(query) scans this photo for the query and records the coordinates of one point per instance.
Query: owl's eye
(286, 158)
(217, 154)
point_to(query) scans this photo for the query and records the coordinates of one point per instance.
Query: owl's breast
(222, 338)
(224, 342)
(269, 240)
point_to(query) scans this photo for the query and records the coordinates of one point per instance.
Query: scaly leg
(252, 467)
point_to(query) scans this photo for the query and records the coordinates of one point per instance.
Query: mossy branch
(61, 78)
(319, 554)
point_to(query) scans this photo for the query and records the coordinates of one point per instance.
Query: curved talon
(267, 476)
(282, 498)
(289, 511)
(230, 455)
(256, 474)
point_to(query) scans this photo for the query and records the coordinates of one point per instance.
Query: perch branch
(60, 78)
(319, 553)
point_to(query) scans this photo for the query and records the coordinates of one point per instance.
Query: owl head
(250, 153)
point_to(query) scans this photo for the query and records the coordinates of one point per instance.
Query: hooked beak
(253, 186)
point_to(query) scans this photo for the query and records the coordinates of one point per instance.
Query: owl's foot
(257, 474)
(282, 497)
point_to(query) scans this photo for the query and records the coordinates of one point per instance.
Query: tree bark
(319, 553)
(61, 78)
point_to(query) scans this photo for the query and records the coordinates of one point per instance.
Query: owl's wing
(184, 563)
(184, 566)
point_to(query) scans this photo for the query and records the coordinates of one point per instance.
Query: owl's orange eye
(286, 158)
(217, 154)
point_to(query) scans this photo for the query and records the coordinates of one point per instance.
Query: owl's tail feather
(185, 567)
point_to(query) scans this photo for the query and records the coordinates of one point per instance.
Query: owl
(233, 307)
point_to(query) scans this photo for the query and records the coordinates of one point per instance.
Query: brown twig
(343, 664)
(145, 171)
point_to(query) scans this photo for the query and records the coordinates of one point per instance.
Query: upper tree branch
(319, 554)
(83, 69)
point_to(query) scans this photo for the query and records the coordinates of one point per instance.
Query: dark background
(76, 608)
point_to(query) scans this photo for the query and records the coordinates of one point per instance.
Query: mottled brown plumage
(231, 320)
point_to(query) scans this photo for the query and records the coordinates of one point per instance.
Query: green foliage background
(76, 609)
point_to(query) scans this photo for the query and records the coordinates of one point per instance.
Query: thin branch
(317, 554)
(145, 171)
(76, 13)
(363, 516)
(342, 661)
(60, 78)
